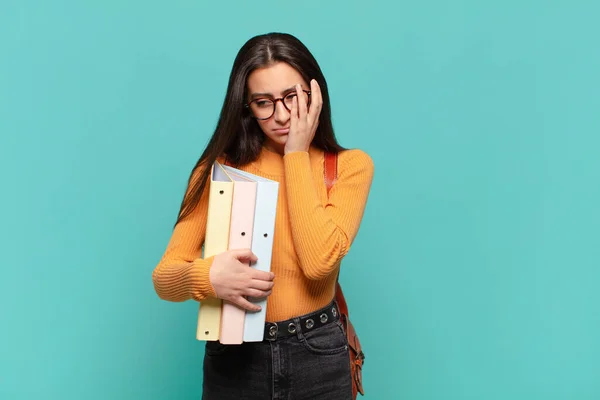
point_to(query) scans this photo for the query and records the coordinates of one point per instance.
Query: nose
(281, 113)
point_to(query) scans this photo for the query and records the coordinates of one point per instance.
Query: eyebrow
(285, 92)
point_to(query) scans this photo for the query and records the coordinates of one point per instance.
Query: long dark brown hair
(237, 135)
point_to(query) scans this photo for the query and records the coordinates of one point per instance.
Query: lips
(282, 131)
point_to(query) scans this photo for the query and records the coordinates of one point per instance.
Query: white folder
(262, 245)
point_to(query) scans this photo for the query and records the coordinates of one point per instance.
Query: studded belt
(308, 322)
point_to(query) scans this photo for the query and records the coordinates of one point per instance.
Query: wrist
(200, 278)
(290, 151)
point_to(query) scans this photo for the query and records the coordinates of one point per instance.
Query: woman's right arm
(181, 273)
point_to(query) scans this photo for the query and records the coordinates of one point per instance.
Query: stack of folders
(241, 214)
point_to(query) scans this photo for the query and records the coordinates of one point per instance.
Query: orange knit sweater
(313, 232)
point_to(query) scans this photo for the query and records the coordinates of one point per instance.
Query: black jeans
(308, 365)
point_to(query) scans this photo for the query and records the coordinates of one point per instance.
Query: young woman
(276, 123)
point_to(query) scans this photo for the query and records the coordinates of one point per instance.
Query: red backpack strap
(330, 166)
(356, 354)
(330, 172)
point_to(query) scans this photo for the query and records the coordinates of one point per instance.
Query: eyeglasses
(264, 108)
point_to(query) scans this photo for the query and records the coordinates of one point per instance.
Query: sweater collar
(271, 163)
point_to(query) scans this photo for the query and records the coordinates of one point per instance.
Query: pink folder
(240, 236)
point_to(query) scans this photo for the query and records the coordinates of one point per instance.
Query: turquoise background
(475, 273)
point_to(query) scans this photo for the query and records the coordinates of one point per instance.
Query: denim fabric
(310, 365)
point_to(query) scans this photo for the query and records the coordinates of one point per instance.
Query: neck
(274, 147)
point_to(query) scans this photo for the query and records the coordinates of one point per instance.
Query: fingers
(261, 285)
(244, 255)
(257, 294)
(316, 100)
(245, 304)
(302, 102)
(262, 275)
(294, 115)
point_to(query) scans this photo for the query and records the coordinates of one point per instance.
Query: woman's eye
(263, 103)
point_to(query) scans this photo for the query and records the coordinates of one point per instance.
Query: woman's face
(272, 82)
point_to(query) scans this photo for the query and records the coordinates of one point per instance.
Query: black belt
(308, 322)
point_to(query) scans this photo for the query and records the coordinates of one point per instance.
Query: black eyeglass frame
(247, 105)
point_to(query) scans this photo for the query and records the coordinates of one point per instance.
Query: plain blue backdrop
(475, 273)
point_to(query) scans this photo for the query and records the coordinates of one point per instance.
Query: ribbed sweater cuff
(199, 279)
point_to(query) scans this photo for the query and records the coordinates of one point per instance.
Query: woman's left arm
(323, 235)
